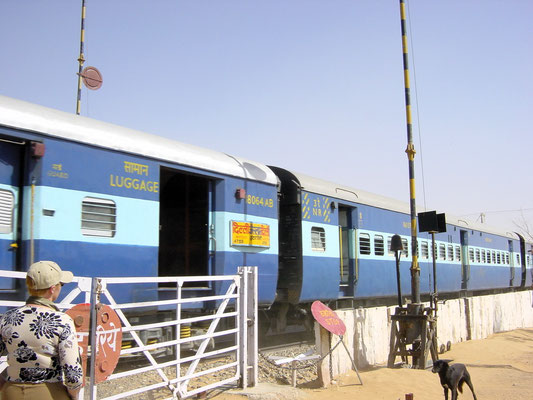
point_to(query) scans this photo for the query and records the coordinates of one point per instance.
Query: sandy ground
(501, 368)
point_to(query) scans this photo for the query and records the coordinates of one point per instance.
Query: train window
(478, 255)
(364, 243)
(379, 247)
(483, 256)
(318, 239)
(425, 249)
(442, 251)
(98, 217)
(450, 252)
(507, 258)
(405, 250)
(471, 255)
(518, 259)
(498, 257)
(493, 257)
(7, 204)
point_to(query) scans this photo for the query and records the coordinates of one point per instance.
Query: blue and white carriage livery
(103, 200)
(341, 220)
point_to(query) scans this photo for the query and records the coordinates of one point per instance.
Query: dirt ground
(501, 368)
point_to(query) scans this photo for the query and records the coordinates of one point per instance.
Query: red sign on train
(327, 318)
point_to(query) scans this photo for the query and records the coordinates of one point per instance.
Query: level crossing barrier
(187, 368)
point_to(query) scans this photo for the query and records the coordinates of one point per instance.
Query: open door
(465, 263)
(347, 251)
(185, 203)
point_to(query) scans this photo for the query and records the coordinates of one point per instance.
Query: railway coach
(103, 200)
(335, 246)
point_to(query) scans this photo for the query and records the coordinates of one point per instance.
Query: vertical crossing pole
(248, 345)
(415, 269)
(81, 58)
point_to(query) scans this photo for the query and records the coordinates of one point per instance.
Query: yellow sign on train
(250, 234)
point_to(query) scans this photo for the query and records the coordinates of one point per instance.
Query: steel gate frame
(242, 291)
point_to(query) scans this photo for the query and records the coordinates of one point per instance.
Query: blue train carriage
(335, 246)
(103, 200)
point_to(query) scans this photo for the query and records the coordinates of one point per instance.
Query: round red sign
(327, 318)
(108, 341)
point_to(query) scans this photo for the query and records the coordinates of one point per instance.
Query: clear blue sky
(311, 86)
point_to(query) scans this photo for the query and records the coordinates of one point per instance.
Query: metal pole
(398, 281)
(434, 297)
(415, 269)
(81, 58)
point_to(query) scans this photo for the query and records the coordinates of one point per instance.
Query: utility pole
(415, 269)
(81, 58)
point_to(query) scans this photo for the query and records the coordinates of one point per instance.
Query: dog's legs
(446, 394)
(454, 393)
(471, 388)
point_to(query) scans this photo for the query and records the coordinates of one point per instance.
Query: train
(103, 200)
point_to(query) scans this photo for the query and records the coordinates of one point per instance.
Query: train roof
(26, 116)
(352, 195)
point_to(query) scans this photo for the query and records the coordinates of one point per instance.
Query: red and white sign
(327, 318)
(108, 342)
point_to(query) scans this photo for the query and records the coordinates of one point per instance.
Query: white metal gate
(172, 354)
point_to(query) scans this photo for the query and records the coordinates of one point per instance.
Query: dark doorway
(183, 224)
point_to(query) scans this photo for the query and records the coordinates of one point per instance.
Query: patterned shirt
(42, 346)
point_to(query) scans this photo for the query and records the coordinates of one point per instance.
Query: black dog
(452, 377)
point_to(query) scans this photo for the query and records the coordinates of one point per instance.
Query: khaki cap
(46, 274)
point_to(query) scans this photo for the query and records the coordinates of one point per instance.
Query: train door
(12, 160)
(184, 224)
(465, 261)
(511, 265)
(523, 261)
(347, 252)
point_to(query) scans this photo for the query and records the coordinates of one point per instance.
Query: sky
(315, 87)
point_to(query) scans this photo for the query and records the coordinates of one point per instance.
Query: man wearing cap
(42, 349)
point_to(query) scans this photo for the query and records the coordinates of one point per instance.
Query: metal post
(93, 338)
(398, 281)
(248, 344)
(81, 58)
(434, 297)
(415, 269)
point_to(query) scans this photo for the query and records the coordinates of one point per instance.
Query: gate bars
(237, 306)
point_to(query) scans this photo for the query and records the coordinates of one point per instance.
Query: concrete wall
(368, 330)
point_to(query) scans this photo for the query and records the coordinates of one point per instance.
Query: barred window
(364, 243)
(478, 255)
(450, 252)
(7, 205)
(493, 257)
(442, 251)
(471, 255)
(483, 256)
(507, 258)
(98, 217)
(379, 246)
(458, 253)
(389, 246)
(518, 259)
(318, 239)
(424, 249)
(499, 257)
(405, 250)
